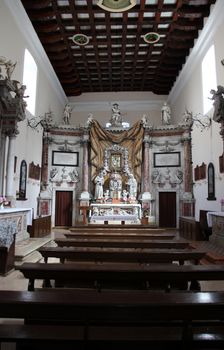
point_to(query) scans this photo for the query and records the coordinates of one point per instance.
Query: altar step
(26, 250)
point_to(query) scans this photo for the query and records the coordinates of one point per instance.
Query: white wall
(207, 145)
(16, 35)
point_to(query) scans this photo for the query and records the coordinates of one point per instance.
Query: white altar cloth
(213, 213)
(115, 212)
(21, 217)
(29, 213)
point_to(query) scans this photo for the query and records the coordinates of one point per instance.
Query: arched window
(30, 80)
(211, 182)
(209, 80)
(22, 180)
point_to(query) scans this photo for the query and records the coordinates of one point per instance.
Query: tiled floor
(15, 280)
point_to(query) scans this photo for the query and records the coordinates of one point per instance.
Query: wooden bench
(121, 243)
(113, 318)
(117, 275)
(116, 235)
(130, 255)
(40, 226)
(7, 258)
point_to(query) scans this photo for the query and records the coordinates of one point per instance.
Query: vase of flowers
(3, 201)
(222, 204)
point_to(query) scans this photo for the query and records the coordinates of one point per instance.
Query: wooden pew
(116, 235)
(40, 227)
(131, 255)
(116, 276)
(114, 318)
(121, 243)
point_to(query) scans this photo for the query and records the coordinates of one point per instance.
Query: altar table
(216, 221)
(21, 217)
(106, 212)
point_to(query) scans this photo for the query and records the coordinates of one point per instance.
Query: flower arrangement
(222, 204)
(3, 201)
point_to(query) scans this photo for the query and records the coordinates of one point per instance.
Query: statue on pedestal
(67, 114)
(132, 185)
(115, 186)
(165, 114)
(99, 182)
(116, 118)
(218, 103)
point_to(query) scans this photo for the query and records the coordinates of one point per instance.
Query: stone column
(2, 162)
(85, 168)
(85, 196)
(10, 193)
(44, 167)
(187, 200)
(146, 175)
(146, 195)
(187, 164)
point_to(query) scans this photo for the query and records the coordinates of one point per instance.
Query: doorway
(63, 208)
(167, 209)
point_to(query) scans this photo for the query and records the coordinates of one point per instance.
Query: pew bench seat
(132, 276)
(125, 255)
(129, 319)
(122, 243)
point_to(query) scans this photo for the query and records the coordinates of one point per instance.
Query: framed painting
(167, 159)
(65, 158)
(115, 161)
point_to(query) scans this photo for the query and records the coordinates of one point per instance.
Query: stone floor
(26, 251)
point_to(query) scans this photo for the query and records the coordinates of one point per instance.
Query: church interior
(111, 174)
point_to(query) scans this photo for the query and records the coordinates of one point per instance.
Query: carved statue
(67, 113)
(99, 182)
(165, 114)
(132, 185)
(218, 103)
(74, 176)
(115, 185)
(89, 120)
(116, 118)
(144, 120)
(9, 66)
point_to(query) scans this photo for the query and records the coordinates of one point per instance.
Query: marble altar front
(216, 221)
(101, 212)
(21, 217)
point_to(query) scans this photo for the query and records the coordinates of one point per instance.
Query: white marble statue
(165, 114)
(116, 118)
(67, 114)
(125, 195)
(132, 186)
(99, 182)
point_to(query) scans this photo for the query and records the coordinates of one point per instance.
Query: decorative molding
(205, 37)
(105, 106)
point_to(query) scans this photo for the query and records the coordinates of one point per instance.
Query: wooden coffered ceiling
(117, 58)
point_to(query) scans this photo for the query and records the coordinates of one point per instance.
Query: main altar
(115, 172)
(115, 212)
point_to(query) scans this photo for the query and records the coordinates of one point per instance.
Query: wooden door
(167, 209)
(63, 208)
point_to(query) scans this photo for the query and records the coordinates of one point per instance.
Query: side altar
(121, 212)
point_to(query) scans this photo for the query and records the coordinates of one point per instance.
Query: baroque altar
(103, 212)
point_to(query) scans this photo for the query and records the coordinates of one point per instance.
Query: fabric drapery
(101, 139)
